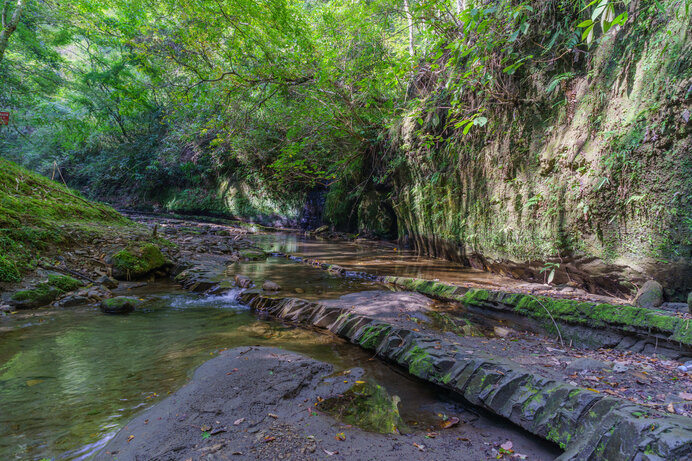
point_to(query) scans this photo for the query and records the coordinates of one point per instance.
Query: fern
(556, 81)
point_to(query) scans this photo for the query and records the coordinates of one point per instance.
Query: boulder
(650, 295)
(242, 281)
(268, 285)
(119, 305)
(71, 301)
(108, 282)
(135, 262)
(44, 293)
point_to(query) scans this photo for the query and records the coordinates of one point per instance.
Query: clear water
(70, 378)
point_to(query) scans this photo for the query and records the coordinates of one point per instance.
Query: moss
(137, 262)
(8, 270)
(372, 335)
(253, 254)
(37, 214)
(367, 406)
(64, 282)
(41, 295)
(419, 362)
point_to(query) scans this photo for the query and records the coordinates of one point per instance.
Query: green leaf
(586, 23)
(480, 121)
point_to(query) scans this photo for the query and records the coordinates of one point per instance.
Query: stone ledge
(630, 320)
(587, 425)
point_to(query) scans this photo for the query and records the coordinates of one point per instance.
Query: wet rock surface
(262, 403)
(119, 305)
(585, 422)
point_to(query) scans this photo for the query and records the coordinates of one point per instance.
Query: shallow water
(380, 259)
(70, 378)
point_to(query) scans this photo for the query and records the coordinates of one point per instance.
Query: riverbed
(70, 378)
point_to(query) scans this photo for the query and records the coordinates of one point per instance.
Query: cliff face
(588, 173)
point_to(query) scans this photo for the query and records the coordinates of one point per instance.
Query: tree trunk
(409, 18)
(8, 27)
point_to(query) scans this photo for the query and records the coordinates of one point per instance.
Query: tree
(9, 26)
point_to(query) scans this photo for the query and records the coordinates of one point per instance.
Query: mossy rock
(137, 262)
(367, 406)
(252, 254)
(39, 296)
(45, 292)
(120, 305)
(64, 282)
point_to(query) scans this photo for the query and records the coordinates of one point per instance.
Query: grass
(37, 214)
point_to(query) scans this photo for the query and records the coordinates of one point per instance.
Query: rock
(119, 305)
(41, 295)
(252, 254)
(620, 367)
(268, 285)
(108, 282)
(242, 281)
(135, 262)
(650, 295)
(501, 332)
(299, 290)
(586, 364)
(320, 229)
(72, 300)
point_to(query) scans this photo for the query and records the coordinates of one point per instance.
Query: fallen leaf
(33, 382)
(507, 445)
(340, 436)
(431, 435)
(670, 408)
(237, 422)
(360, 382)
(269, 439)
(129, 439)
(330, 453)
(449, 422)
(272, 415)
(205, 428)
(421, 447)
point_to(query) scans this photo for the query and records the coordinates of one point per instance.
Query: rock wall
(593, 179)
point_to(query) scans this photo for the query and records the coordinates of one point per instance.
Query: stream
(70, 378)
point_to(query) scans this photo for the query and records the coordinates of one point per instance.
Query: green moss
(37, 214)
(367, 406)
(253, 254)
(41, 295)
(8, 270)
(137, 262)
(372, 334)
(419, 362)
(64, 282)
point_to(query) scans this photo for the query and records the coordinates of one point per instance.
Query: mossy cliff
(586, 168)
(37, 214)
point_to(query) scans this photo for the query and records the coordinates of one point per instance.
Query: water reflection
(379, 259)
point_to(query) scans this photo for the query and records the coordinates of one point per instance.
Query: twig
(551, 318)
(65, 270)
